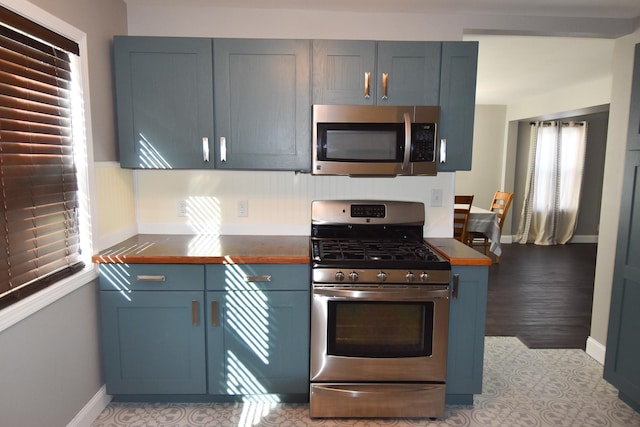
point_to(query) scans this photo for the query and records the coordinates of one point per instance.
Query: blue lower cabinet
(163, 334)
(467, 314)
(258, 342)
(258, 329)
(153, 342)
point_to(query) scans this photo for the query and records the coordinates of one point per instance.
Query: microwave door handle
(407, 142)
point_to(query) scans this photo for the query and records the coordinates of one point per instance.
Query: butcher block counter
(207, 249)
(240, 249)
(457, 252)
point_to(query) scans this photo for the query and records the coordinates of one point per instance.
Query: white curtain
(554, 181)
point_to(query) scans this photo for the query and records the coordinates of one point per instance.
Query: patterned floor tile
(521, 388)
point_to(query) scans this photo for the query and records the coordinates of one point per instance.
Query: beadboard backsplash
(275, 203)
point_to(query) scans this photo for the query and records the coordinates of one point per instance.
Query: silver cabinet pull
(443, 150)
(194, 312)
(223, 149)
(385, 85)
(214, 313)
(456, 284)
(263, 278)
(367, 81)
(205, 148)
(150, 278)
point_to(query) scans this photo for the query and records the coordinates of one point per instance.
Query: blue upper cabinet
(408, 73)
(343, 71)
(164, 97)
(375, 73)
(457, 104)
(263, 104)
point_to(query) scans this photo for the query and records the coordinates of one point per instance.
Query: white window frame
(14, 313)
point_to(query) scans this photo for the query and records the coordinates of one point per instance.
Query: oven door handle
(386, 295)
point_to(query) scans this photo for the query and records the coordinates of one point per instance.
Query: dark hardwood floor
(542, 294)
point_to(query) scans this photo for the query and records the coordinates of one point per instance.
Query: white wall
(485, 176)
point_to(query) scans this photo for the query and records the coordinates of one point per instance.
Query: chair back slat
(461, 216)
(500, 205)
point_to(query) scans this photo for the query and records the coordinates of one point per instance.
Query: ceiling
(567, 8)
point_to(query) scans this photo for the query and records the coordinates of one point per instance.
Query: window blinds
(39, 210)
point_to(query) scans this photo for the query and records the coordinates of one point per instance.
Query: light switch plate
(182, 208)
(243, 208)
(436, 197)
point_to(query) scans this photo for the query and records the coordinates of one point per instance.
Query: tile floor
(522, 387)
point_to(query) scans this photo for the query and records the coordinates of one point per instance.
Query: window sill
(13, 314)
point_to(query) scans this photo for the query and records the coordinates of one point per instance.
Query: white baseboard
(508, 239)
(596, 350)
(92, 409)
(584, 239)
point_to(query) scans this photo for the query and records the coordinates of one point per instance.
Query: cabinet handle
(264, 278)
(194, 312)
(385, 85)
(214, 313)
(149, 278)
(223, 149)
(443, 150)
(456, 284)
(367, 81)
(205, 148)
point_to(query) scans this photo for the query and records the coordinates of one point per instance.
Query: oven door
(392, 333)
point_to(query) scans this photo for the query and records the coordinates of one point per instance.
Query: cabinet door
(263, 105)
(266, 342)
(164, 99)
(467, 314)
(340, 70)
(153, 342)
(412, 71)
(457, 104)
(623, 346)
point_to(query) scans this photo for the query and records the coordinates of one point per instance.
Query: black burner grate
(372, 250)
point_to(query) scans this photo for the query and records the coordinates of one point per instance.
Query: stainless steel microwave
(366, 140)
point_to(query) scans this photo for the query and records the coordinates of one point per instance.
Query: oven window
(380, 329)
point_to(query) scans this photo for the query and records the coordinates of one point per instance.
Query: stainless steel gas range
(379, 312)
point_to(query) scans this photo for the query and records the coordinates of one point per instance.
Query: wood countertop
(457, 252)
(240, 249)
(207, 249)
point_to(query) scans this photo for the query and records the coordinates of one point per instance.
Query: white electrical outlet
(182, 208)
(436, 197)
(243, 208)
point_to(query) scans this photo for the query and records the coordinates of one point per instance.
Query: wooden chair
(500, 205)
(461, 217)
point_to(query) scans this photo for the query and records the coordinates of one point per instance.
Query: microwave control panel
(423, 142)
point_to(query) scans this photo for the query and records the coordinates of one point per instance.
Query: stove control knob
(339, 276)
(410, 276)
(353, 276)
(424, 276)
(382, 276)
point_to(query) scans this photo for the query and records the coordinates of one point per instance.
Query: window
(40, 209)
(554, 182)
